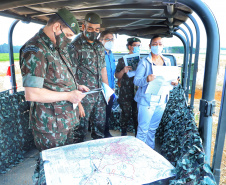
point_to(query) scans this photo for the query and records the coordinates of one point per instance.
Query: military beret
(93, 18)
(133, 39)
(69, 19)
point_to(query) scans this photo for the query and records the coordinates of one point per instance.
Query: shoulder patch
(30, 48)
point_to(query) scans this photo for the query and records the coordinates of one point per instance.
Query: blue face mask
(157, 50)
(136, 49)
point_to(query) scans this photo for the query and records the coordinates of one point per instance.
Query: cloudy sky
(24, 31)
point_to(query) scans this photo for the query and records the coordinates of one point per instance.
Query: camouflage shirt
(89, 59)
(43, 66)
(127, 89)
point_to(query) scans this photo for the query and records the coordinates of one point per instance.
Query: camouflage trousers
(95, 114)
(45, 141)
(129, 109)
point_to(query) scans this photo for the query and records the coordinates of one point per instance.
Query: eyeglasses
(135, 45)
(109, 40)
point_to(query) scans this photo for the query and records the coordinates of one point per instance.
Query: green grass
(5, 57)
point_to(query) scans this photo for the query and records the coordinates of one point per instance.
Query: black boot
(107, 134)
(94, 135)
(124, 132)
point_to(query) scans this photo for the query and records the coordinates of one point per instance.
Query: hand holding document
(88, 92)
(162, 82)
(107, 91)
(132, 60)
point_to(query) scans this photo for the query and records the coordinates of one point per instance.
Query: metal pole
(11, 57)
(185, 64)
(190, 59)
(196, 59)
(183, 40)
(207, 103)
(220, 137)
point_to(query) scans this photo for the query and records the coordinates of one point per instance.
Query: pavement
(22, 173)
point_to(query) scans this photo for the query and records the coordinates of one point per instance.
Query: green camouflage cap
(93, 18)
(133, 39)
(69, 19)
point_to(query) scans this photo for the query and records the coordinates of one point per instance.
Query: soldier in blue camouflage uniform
(49, 81)
(127, 89)
(87, 53)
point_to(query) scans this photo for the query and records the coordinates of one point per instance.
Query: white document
(116, 161)
(75, 105)
(162, 83)
(132, 60)
(93, 91)
(169, 73)
(89, 92)
(155, 85)
(107, 91)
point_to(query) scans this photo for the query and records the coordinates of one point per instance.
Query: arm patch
(30, 48)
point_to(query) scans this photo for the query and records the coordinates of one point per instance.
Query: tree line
(176, 49)
(4, 48)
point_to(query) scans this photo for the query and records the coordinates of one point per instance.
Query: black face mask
(91, 35)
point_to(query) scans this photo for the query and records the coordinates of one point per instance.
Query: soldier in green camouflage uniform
(49, 82)
(88, 54)
(127, 89)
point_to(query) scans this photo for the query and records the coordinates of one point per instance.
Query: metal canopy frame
(220, 137)
(211, 67)
(190, 56)
(195, 60)
(211, 63)
(185, 64)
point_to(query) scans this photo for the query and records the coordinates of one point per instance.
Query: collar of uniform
(46, 39)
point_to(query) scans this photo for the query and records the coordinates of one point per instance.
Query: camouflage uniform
(89, 59)
(43, 66)
(126, 98)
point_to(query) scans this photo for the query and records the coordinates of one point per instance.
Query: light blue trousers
(149, 118)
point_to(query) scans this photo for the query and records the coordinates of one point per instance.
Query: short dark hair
(130, 41)
(106, 32)
(154, 37)
(55, 18)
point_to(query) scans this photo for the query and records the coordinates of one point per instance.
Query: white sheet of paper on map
(162, 83)
(107, 91)
(116, 161)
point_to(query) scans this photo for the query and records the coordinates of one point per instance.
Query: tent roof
(142, 18)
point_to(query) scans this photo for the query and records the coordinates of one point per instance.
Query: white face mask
(157, 50)
(109, 45)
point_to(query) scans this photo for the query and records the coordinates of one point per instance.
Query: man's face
(91, 27)
(58, 29)
(68, 33)
(91, 31)
(107, 38)
(134, 44)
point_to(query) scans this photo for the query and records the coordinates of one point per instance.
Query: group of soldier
(56, 72)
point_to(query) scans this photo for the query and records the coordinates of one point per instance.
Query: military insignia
(73, 24)
(89, 19)
(30, 48)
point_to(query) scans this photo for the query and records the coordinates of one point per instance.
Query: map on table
(113, 161)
